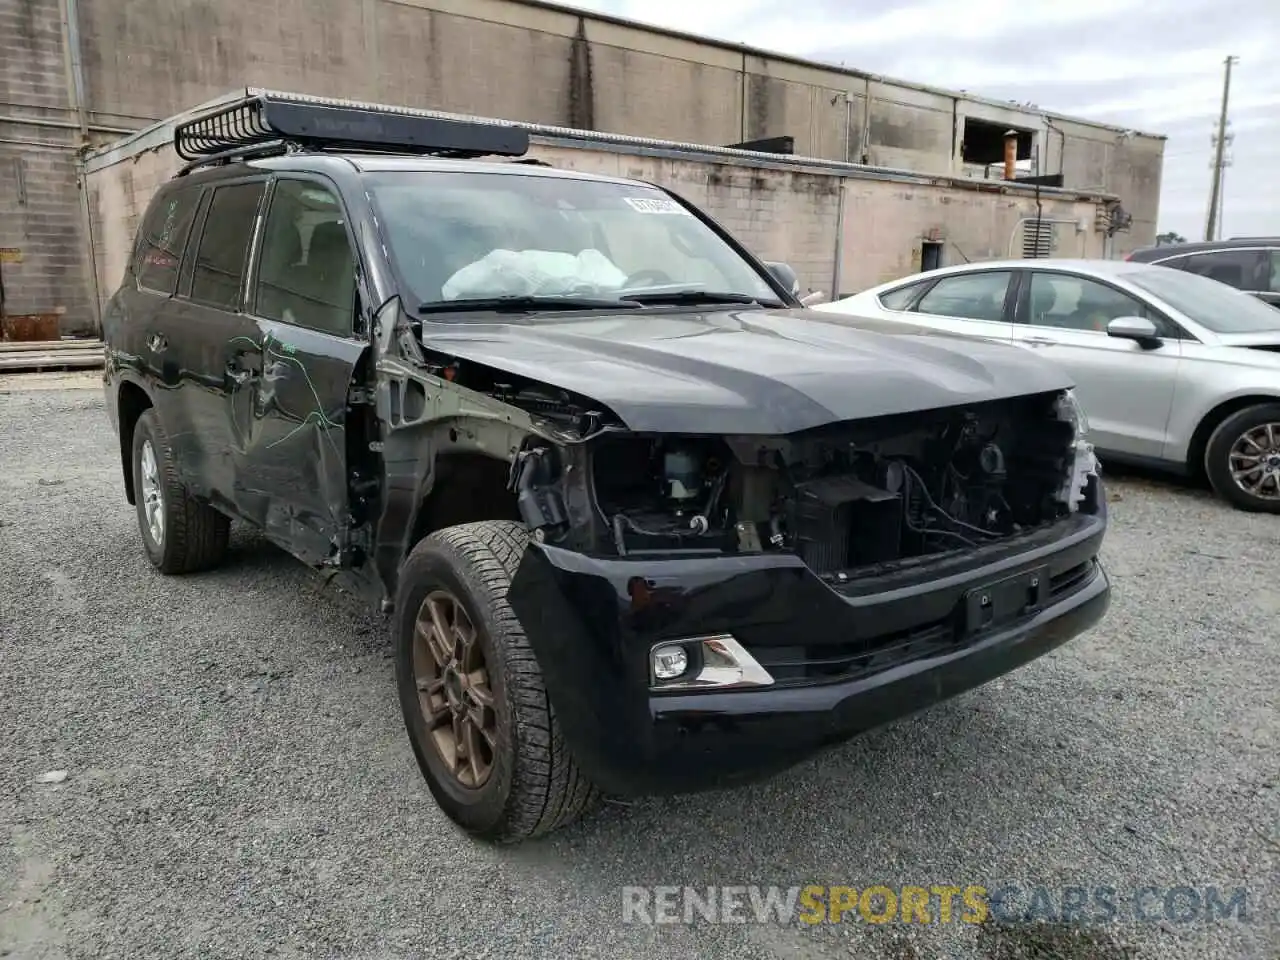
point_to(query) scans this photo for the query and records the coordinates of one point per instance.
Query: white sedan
(1172, 369)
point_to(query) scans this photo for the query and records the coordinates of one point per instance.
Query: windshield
(1213, 305)
(458, 237)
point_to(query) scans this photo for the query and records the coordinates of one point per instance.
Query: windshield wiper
(696, 296)
(523, 303)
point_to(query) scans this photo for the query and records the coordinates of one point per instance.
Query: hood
(747, 371)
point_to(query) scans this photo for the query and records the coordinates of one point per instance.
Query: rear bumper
(592, 627)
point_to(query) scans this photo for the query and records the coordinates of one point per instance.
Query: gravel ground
(238, 782)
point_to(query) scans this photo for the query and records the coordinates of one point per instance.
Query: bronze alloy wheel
(471, 690)
(453, 689)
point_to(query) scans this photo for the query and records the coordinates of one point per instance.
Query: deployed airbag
(502, 273)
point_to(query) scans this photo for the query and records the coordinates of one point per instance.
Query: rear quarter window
(899, 297)
(162, 238)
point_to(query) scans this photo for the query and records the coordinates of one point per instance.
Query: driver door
(1126, 388)
(289, 413)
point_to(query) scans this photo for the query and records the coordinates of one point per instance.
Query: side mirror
(784, 275)
(1134, 328)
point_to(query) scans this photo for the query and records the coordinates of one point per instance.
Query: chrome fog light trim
(670, 661)
(718, 662)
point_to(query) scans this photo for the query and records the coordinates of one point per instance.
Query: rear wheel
(475, 707)
(1242, 458)
(181, 534)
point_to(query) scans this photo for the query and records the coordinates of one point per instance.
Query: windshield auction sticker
(655, 205)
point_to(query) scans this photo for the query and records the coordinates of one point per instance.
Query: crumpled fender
(589, 674)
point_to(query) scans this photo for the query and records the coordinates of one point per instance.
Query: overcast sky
(1114, 61)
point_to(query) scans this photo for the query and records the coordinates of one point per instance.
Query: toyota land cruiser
(642, 523)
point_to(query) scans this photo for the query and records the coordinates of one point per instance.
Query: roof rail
(270, 124)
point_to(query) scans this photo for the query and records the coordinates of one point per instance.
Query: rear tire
(464, 655)
(1237, 444)
(180, 534)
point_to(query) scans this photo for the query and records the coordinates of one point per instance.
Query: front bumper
(900, 637)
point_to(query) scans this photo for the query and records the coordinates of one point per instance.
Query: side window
(1236, 268)
(898, 298)
(1273, 271)
(162, 239)
(975, 296)
(1075, 303)
(224, 245)
(307, 274)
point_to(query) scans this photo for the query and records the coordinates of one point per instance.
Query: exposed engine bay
(847, 497)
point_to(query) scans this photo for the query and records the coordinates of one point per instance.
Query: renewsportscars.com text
(936, 903)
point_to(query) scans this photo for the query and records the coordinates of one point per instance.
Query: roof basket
(269, 124)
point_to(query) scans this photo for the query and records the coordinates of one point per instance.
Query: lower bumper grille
(849, 661)
(799, 664)
(1068, 580)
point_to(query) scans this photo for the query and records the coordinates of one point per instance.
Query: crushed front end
(708, 610)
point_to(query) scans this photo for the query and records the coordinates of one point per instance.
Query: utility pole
(1211, 223)
(1222, 196)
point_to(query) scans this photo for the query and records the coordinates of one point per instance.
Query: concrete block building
(78, 76)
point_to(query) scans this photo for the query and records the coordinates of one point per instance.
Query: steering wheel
(639, 278)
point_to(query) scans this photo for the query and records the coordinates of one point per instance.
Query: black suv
(1251, 264)
(641, 522)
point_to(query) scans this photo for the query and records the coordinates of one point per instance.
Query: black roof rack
(269, 125)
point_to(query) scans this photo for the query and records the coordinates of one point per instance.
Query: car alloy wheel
(152, 496)
(453, 689)
(1255, 461)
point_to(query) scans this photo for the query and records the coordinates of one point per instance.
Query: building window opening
(983, 144)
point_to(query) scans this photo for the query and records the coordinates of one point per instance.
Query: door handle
(1040, 341)
(243, 364)
(157, 343)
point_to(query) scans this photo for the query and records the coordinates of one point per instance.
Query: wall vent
(1038, 239)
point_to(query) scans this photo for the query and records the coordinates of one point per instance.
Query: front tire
(1242, 458)
(482, 727)
(180, 534)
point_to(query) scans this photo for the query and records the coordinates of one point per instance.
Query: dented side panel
(288, 423)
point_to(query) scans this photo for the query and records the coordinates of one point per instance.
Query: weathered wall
(910, 129)
(144, 60)
(1128, 166)
(884, 224)
(40, 213)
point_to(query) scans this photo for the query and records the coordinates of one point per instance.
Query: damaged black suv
(642, 523)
